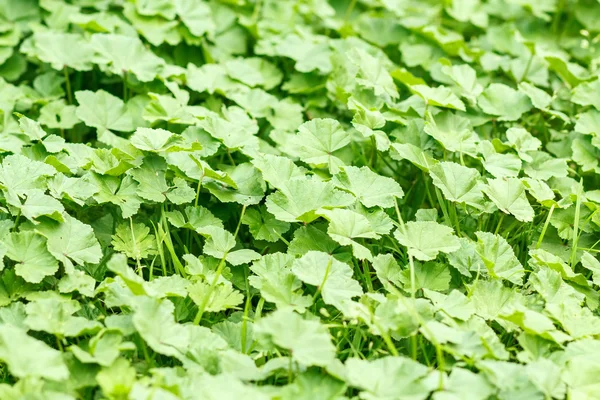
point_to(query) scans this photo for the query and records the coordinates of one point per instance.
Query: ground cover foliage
(310, 199)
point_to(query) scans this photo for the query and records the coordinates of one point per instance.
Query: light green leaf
(29, 357)
(370, 188)
(388, 377)
(276, 282)
(60, 50)
(134, 240)
(154, 140)
(120, 54)
(263, 225)
(29, 250)
(299, 199)
(55, 315)
(458, 183)
(221, 298)
(346, 226)
(508, 194)
(416, 236)
(333, 277)
(586, 94)
(499, 258)
(71, 240)
(38, 204)
(103, 111)
(453, 132)
(440, 96)
(308, 341)
(504, 102)
(316, 141)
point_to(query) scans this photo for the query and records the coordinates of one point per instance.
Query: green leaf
(453, 132)
(77, 281)
(31, 128)
(58, 115)
(508, 194)
(586, 94)
(29, 357)
(60, 50)
(465, 78)
(370, 188)
(19, 174)
(38, 204)
(523, 142)
(154, 140)
(29, 251)
(134, 240)
(388, 377)
(55, 315)
(499, 258)
(195, 218)
(429, 275)
(299, 200)
(346, 227)
(277, 170)
(440, 96)
(591, 263)
(538, 97)
(71, 241)
(263, 225)
(103, 111)
(504, 102)
(308, 341)
(120, 54)
(277, 283)
(333, 277)
(249, 186)
(221, 298)
(102, 349)
(121, 192)
(196, 16)
(117, 379)
(458, 183)
(316, 141)
(416, 236)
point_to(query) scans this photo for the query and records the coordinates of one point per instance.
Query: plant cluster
(299, 199)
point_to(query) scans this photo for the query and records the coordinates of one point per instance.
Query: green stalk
(125, 86)
(324, 280)
(68, 84)
(541, 238)
(499, 223)
(576, 225)
(218, 273)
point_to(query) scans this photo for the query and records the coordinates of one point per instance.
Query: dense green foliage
(299, 199)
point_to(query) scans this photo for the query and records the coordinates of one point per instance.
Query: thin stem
(68, 84)
(499, 223)
(324, 280)
(124, 85)
(349, 10)
(230, 158)
(198, 190)
(135, 249)
(576, 224)
(541, 238)
(218, 273)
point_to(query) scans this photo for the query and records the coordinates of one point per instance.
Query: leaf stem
(576, 224)
(68, 84)
(218, 273)
(541, 238)
(499, 223)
